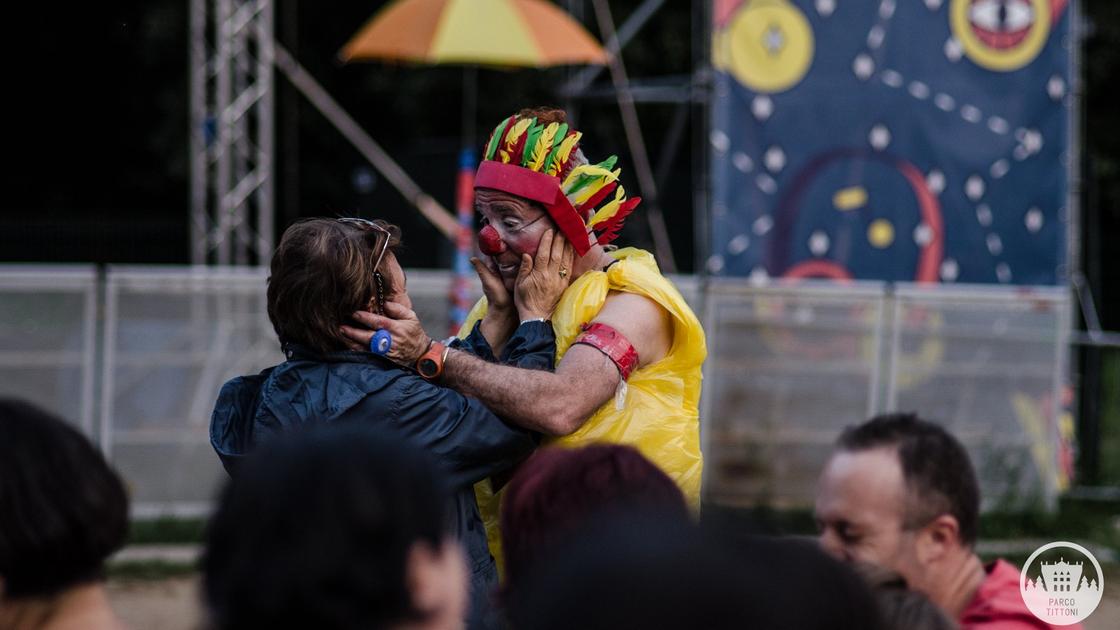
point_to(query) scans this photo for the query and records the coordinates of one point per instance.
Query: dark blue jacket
(462, 434)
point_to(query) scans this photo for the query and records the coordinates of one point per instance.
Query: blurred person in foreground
(335, 528)
(900, 493)
(902, 608)
(558, 490)
(322, 271)
(641, 570)
(628, 347)
(63, 511)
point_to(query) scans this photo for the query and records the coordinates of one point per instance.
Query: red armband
(612, 343)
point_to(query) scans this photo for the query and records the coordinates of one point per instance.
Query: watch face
(427, 367)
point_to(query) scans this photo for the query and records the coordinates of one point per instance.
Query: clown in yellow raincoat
(655, 408)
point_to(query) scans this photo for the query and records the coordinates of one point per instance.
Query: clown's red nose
(489, 242)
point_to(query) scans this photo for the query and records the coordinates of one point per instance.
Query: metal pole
(349, 128)
(108, 365)
(222, 28)
(200, 218)
(89, 353)
(240, 66)
(266, 134)
(701, 122)
(470, 106)
(1089, 391)
(637, 144)
(614, 45)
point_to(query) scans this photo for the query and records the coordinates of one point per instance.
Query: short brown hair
(935, 466)
(545, 114)
(322, 271)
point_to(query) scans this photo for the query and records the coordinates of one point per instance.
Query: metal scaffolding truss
(688, 93)
(232, 124)
(232, 131)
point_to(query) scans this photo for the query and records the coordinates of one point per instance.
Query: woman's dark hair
(63, 510)
(322, 271)
(315, 530)
(902, 608)
(559, 489)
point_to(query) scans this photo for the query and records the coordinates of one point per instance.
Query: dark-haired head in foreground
(902, 608)
(641, 571)
(900, 493)
(63, 511)
(334, 528)
(558, 490)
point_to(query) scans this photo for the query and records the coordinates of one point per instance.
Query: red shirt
(998, 604)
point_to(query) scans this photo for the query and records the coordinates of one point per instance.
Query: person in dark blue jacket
(324, 270)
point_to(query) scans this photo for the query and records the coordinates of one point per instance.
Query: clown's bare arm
(559, 403)
(555, 403)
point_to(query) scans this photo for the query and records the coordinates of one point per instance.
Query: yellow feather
(589, 170)
(563, 152)
(515, 133)
(605, 177)
(544, 145)
(609, 210)
(574, 176)
(504, 155)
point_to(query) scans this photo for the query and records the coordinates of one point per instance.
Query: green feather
(584, 180)
(496, 138)
(531, 137)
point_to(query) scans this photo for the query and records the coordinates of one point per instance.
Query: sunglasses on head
(373, 226)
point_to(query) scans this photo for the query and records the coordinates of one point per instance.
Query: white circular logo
(1061, 583)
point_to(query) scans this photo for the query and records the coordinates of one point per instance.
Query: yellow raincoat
(660, 413)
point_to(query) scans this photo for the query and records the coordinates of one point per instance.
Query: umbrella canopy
(531, 33)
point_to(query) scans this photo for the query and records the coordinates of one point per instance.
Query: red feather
(608, 231)
(516, 155)
(586, 207)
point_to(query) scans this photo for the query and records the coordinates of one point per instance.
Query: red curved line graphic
(818, 269)
(930, 257)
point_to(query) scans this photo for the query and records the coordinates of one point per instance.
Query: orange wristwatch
(430, 364)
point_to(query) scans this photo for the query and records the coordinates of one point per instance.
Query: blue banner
(899, 140)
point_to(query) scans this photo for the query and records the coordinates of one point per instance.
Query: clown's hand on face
(501, 317)
(541, 279)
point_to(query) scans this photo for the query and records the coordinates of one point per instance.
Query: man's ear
(938, 538)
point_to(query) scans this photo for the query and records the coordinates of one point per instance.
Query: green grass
(150, 570)
(167, 530)
(1110, 419)
(1090, 521)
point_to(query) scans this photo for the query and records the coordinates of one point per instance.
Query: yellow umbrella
(528, 33)
(497, 33)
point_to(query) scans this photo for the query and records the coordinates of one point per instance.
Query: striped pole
(464, 241)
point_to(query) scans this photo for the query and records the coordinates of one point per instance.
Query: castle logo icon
(1061, 583)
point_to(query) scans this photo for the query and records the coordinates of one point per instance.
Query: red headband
(544, 189)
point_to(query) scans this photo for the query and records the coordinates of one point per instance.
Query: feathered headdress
(537, 161)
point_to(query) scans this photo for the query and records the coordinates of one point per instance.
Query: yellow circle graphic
(881, 233)
(770, 45)
(1000, 36)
